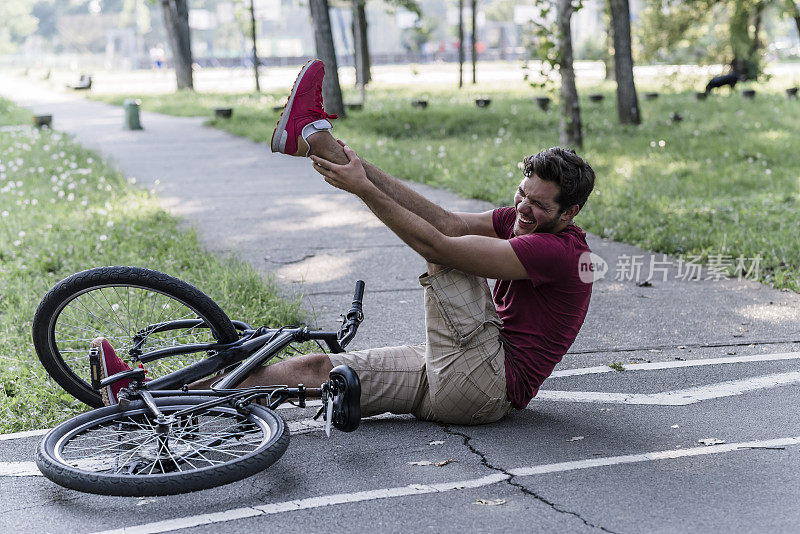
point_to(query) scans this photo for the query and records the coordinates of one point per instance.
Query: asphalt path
(600, 450)
(566, 466)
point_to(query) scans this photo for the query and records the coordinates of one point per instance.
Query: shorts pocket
(464, 303)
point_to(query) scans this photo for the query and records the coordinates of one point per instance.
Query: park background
(713, 180)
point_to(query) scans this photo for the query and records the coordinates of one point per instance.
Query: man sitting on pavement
(482, 355)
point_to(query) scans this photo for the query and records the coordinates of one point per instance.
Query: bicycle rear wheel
(113, 452)
(120, 303)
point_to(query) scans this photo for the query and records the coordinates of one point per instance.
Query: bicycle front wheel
(122, 304)
(126, 453)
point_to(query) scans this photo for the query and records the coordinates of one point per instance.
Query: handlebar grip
(359, 293)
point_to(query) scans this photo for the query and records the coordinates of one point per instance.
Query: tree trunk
(570, 132)
(460, 44)
(474, 57)
(627, 103)
(323, 38)
(746, 48)
(608, 52)
(755, 41)
(503, 42)
(794, 11)
(255, 50)
(176, 22)
(360, 44)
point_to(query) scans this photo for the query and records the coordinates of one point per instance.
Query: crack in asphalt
(289, 262)
(510, 480)
(264, 490)
(39, 505)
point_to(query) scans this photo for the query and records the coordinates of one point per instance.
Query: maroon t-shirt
(541, 316)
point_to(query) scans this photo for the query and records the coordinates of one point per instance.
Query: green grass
(617, 366)
(724, 180)
(62, 210)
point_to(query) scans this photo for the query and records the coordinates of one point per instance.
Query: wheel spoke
(118, 312)
(131, 443)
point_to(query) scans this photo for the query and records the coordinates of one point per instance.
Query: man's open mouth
(523, 220)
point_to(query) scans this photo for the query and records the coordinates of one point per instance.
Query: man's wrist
(367, 190)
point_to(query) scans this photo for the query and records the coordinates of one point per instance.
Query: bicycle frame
(252, 350)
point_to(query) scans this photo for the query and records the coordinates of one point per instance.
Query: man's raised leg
(303, 130)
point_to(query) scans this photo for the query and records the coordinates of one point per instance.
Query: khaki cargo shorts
(457, 376)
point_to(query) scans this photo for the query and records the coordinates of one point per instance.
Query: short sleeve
(542, 255)
(503, 222)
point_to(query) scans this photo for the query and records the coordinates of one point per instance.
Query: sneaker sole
(105, 393)
(277, 133)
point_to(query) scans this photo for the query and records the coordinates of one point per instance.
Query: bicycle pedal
(123, 403)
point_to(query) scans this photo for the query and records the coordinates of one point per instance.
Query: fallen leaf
(421, 462)
(444, 463)
(576, 438)
(436, 443)
(731, 353)
(711, 441)
(490, 502)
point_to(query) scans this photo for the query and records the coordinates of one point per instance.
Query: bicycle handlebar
(359, 293)
(352, 320)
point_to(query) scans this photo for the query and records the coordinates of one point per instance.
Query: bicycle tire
(78, 292)
(90, 473)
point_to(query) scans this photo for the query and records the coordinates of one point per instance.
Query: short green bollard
(132, 114)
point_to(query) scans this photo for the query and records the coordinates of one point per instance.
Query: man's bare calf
(309, 369)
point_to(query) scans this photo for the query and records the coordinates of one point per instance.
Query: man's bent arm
(473, 254)
(445, 221)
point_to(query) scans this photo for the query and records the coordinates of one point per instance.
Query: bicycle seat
(346, 390)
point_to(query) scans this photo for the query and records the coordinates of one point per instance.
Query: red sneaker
(303, 113)
(111, 364)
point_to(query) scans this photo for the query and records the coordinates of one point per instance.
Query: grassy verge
(723, 180)
(62, 209)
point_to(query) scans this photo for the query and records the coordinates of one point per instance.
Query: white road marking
(25, 434)
(679, 397)
(678, 363)
(305, 426)
(19, 469)
(417, 489)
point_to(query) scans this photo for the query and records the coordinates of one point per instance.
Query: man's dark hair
(574, 177)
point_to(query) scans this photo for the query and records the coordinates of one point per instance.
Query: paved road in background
(601, 450)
